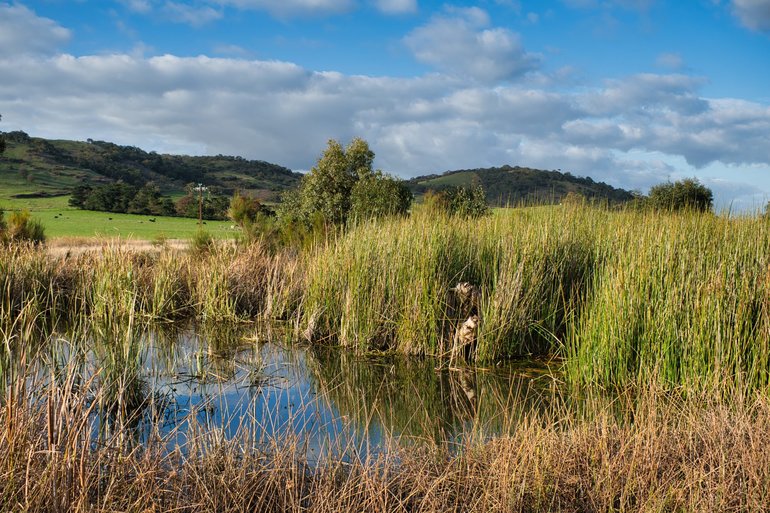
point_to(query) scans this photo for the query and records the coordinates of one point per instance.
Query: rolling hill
(516, 185)
(33, 167)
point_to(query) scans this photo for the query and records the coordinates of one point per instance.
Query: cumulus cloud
(23, 32)
(461, 43)
(754, 14)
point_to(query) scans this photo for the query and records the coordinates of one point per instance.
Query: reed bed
(388, 285)
(114, 284)
(680, 300)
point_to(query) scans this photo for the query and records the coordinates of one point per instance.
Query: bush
(21, 227)
(466, 202)
(201, 243)
(378, 195)
(687, 194)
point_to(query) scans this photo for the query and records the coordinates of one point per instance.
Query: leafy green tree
(149, 200)
(684, 194)
(340, 185)
(378, 195)
(325, 191)
(80, 195)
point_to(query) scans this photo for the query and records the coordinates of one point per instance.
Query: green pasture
(61, 220)
(455, 179)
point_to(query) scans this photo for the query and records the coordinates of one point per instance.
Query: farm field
(61, 220)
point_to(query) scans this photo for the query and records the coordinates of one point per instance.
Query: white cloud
(195, 16)
(286, 8)
(396, 6)
(460, 43)
(24, 32)
(754, 14)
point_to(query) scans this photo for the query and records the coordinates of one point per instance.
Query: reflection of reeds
(414, 399)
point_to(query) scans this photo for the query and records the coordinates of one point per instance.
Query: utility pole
(200, 188)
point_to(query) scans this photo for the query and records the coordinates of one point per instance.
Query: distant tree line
(121, 197)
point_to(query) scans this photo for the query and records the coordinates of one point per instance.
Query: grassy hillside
(515, 185)
(36, 167)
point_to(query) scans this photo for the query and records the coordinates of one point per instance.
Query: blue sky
(631, 92)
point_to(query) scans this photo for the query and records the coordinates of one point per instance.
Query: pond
(190, 382)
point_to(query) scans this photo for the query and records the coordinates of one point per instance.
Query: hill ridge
(511, 185)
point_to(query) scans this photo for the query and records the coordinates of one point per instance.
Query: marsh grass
(388, 285)
(681, 300)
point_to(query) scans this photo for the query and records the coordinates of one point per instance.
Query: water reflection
(182, 384)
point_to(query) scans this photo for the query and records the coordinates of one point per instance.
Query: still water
(227, 380)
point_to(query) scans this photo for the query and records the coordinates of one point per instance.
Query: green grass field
(455, 179)
(61, 220)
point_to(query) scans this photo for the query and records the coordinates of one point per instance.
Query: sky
(630, 92)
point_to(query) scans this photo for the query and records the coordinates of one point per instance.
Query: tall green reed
(683, 300)
(387, 285)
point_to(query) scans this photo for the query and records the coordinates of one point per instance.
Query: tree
(340, 185)
(79, 196)
(149, 200)
(211, 205)
(377, 195)
(243, 210)
(325, 191)
(684, 194)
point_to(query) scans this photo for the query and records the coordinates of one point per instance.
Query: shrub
(463, 202)
(21, 227)
(378, 195)
(202, 242)
(687, 194)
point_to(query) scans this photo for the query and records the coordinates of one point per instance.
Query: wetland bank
(621, 363)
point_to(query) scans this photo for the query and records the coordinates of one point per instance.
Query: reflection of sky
(267, 395)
